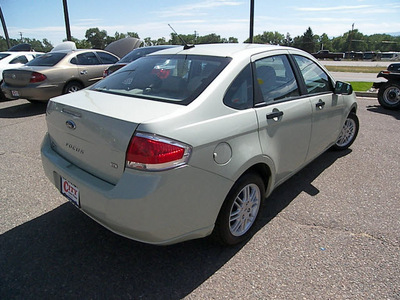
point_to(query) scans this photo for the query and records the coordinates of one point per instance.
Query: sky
(41, 19)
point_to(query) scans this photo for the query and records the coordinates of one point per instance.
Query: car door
(327, 107)
(90, 68)
(284, 116)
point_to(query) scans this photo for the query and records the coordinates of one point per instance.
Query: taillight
(37, 77)
(105, 73)
(155, 153)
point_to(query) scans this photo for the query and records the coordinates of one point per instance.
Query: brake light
(37, 77)
(155, 153)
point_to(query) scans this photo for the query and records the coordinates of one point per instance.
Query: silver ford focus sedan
(187, 142)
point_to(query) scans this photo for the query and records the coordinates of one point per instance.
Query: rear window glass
(47, 60)
(140, 52)
(167, 78)
(107, 58)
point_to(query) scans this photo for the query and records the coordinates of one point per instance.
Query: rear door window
(275, 79)
(86, 59)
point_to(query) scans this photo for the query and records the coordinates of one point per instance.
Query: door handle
(275, 115)
(320, 104)
(84, 72)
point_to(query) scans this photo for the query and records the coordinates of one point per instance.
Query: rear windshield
(47, 60)
(167, 78)
(140, 52)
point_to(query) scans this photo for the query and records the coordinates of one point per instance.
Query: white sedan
(187, 142)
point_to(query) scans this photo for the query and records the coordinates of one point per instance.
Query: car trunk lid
(92, 130)
(17, 77)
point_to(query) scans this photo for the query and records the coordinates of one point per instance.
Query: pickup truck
(326, 54)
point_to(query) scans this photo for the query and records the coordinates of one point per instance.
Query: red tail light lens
(37, 77)
(155, 153)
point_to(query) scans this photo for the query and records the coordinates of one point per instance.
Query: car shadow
(22, 110)
(64, 254)
(282, 196)
(380, 110)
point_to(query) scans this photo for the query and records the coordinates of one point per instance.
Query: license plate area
(70, 191)
(15, 93)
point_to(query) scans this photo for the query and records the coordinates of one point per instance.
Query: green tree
(288, 41)
(325, 43)
(97, 38)
(80, 44)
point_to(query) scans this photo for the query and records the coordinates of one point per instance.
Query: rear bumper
(32, 92)
(157, 208)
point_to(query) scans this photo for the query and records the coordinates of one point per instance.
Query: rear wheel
(389, 95)
(240, 210)
(72, 87)
(349, 132)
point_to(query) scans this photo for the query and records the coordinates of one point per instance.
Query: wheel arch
(264, 168)
(72, 80)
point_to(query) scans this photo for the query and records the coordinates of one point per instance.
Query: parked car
(134, 55)
(187, 142)
(389, 91)
(9, 60)
(326, 54)
(56, 73)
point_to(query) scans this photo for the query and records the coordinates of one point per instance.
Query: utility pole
(251, 38)
(66, 17)
(3, 22)
(351, 36)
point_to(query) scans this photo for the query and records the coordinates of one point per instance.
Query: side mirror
(343, 88)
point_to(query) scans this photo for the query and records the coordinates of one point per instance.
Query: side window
(19, 60)
(275, 79)
(240, 93)
(316, 80)
(107, 58)
(88, 58)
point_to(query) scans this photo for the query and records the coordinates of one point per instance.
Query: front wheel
(235, 222)
(389, 95)
(349, 133)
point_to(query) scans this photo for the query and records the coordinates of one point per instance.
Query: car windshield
(167, 78)
(47, 60)
(3, 55)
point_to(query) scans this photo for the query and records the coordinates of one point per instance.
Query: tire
(348, 133)
(389, 95)
(72, 87)
(235, 222)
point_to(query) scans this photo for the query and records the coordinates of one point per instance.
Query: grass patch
(361, 86)
(355, 69)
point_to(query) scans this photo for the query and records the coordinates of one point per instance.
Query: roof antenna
(185, 45)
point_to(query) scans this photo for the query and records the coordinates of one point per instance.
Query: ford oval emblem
(70, 124)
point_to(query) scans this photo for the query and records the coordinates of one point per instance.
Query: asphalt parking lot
(331, 232)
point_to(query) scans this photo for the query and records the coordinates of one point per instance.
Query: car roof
(21, 52)
(223, 50)
(77, 51)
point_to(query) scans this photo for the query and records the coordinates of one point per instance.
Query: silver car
(56, 73)
(188, 142)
